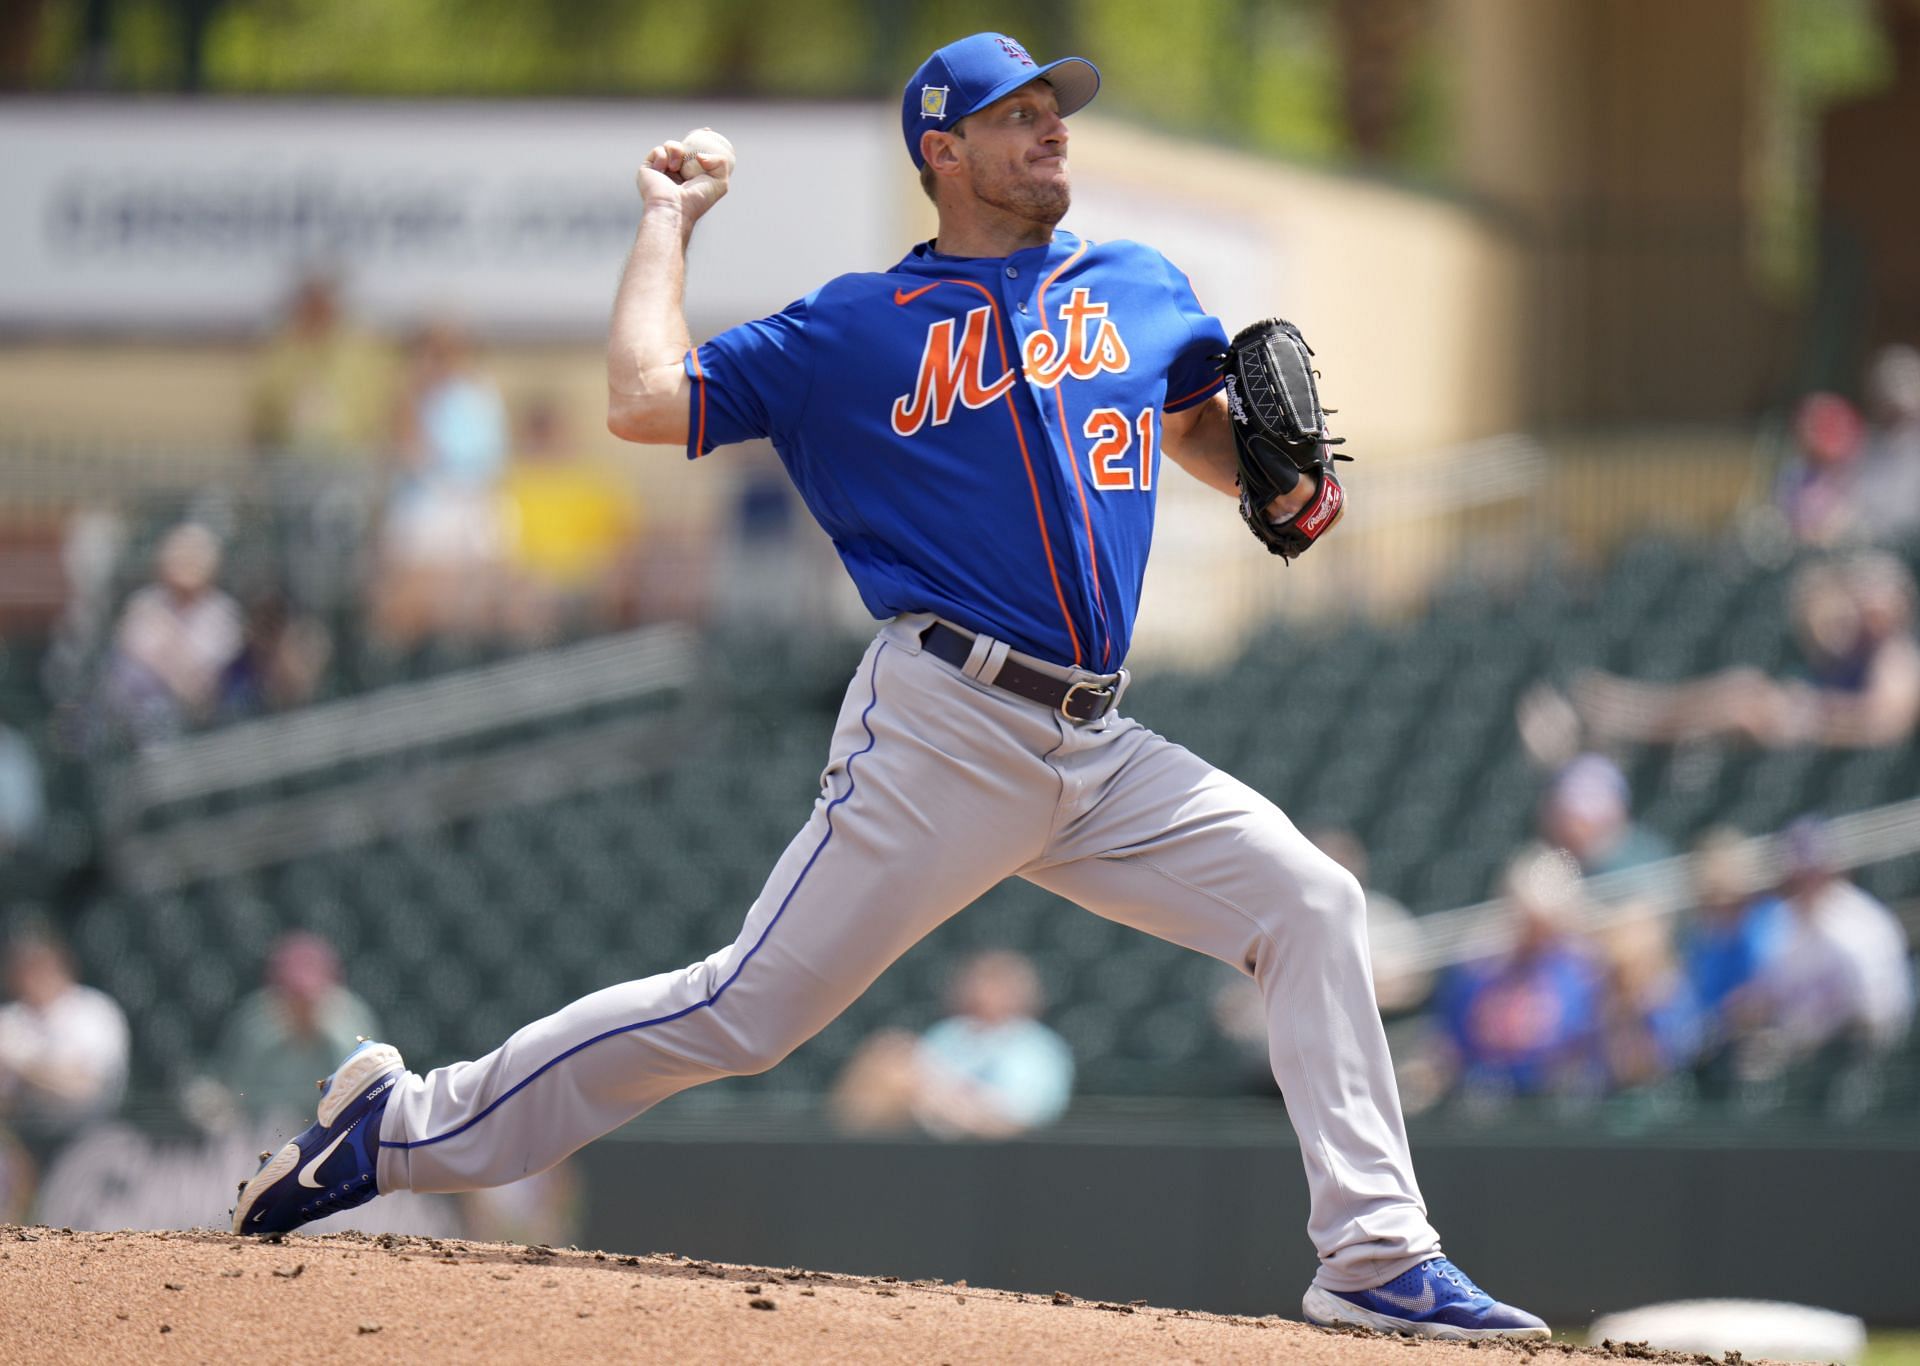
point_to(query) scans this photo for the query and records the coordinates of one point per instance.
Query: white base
(1754, 1328)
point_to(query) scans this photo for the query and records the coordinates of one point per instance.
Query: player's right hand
(660, 183)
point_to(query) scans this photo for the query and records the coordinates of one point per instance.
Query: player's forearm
(1200, 441)
(648, 339)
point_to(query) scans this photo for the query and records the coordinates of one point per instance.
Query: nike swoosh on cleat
(1417, 1304)
(308, 1172)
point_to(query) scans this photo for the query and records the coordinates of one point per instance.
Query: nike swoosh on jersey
(907, 296)
(308, 1172)
(1417, 1304)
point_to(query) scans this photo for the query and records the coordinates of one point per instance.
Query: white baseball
(718, 151)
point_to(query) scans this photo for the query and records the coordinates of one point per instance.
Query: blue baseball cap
(965, 77)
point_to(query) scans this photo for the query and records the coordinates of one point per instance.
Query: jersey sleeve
(1194, 375)
(749, 382)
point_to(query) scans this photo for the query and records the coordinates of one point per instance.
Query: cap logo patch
(933, 101)
(1015, 51)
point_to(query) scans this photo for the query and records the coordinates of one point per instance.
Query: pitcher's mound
(203, 1296)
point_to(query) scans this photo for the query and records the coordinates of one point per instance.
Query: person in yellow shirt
(324, 389)
(572, 525)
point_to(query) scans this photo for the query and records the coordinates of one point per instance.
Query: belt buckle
(1103, 691)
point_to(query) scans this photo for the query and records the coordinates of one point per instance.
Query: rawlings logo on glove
(1280, 433)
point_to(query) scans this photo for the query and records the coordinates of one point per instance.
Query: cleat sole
(1327, 1310)
(283, 1162)
(366, 1066)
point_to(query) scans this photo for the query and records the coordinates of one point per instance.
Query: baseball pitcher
(980, 429)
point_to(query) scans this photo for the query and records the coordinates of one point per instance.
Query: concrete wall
(1569, 1231)
(1616, 138)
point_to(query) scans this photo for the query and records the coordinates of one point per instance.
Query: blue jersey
(979, 436)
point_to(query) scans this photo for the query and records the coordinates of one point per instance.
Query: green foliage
(1818, 53)
(1892, 1348)
(1257, 72)
(451, 47)
(1826, 50)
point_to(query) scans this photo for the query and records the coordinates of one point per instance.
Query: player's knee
(1333, 908)
(748, 1056)
(760, 1057)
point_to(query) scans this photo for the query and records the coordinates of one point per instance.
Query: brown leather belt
(1076, 701)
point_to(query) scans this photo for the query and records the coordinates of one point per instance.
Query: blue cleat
(331, 1166)
(1434, 1300)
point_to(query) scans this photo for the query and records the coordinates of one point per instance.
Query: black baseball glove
(1280, 431)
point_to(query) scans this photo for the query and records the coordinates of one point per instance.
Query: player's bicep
(749, 383)
(656, 412)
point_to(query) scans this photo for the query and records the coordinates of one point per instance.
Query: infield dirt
(203, 1296)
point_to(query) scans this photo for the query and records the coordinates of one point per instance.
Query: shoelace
(334, 1198)
(1447, 1271)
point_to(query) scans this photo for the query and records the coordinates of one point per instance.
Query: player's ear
(938, 151)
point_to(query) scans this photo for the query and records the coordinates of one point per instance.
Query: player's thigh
(1189, 854)
(921, 809)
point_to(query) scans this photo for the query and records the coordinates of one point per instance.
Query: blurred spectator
(1889, 483)
(281, 667)
(776, 568)
(283, 1037)
(1854, 620)
(174, 641)
(63, 1047)
(1525, 1023)
(325, 389)
(990, 1070)
(1585, 812)
(23, 803)
(1869, 694)
(1817, 490)
(442, 542)
(1842, 978)
(1651, 1025)
(571, 524)
(1730, 939)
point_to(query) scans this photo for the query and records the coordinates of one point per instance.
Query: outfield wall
(1568, 1231)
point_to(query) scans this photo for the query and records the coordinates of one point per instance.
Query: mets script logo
(953, 367)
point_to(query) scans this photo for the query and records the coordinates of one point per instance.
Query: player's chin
(1049, 187)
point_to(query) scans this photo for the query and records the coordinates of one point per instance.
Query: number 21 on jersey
(1112, 434)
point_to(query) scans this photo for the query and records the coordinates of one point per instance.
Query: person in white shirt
(1843, 974)
(174, 641)
(63, 1047)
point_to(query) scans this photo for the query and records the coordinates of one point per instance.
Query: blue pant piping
(872, 701)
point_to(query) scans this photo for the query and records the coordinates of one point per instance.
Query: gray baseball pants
(939, 786)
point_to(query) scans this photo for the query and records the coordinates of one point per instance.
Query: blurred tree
(1257, 73)
(1377, 40)
(20, 25)
(1818, 53)
(1264, 74)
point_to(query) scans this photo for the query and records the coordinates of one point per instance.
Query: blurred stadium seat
(457, 932)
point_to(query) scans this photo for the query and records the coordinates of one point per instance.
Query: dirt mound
(67, 1296)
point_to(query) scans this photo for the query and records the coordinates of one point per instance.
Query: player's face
(1016, 154)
